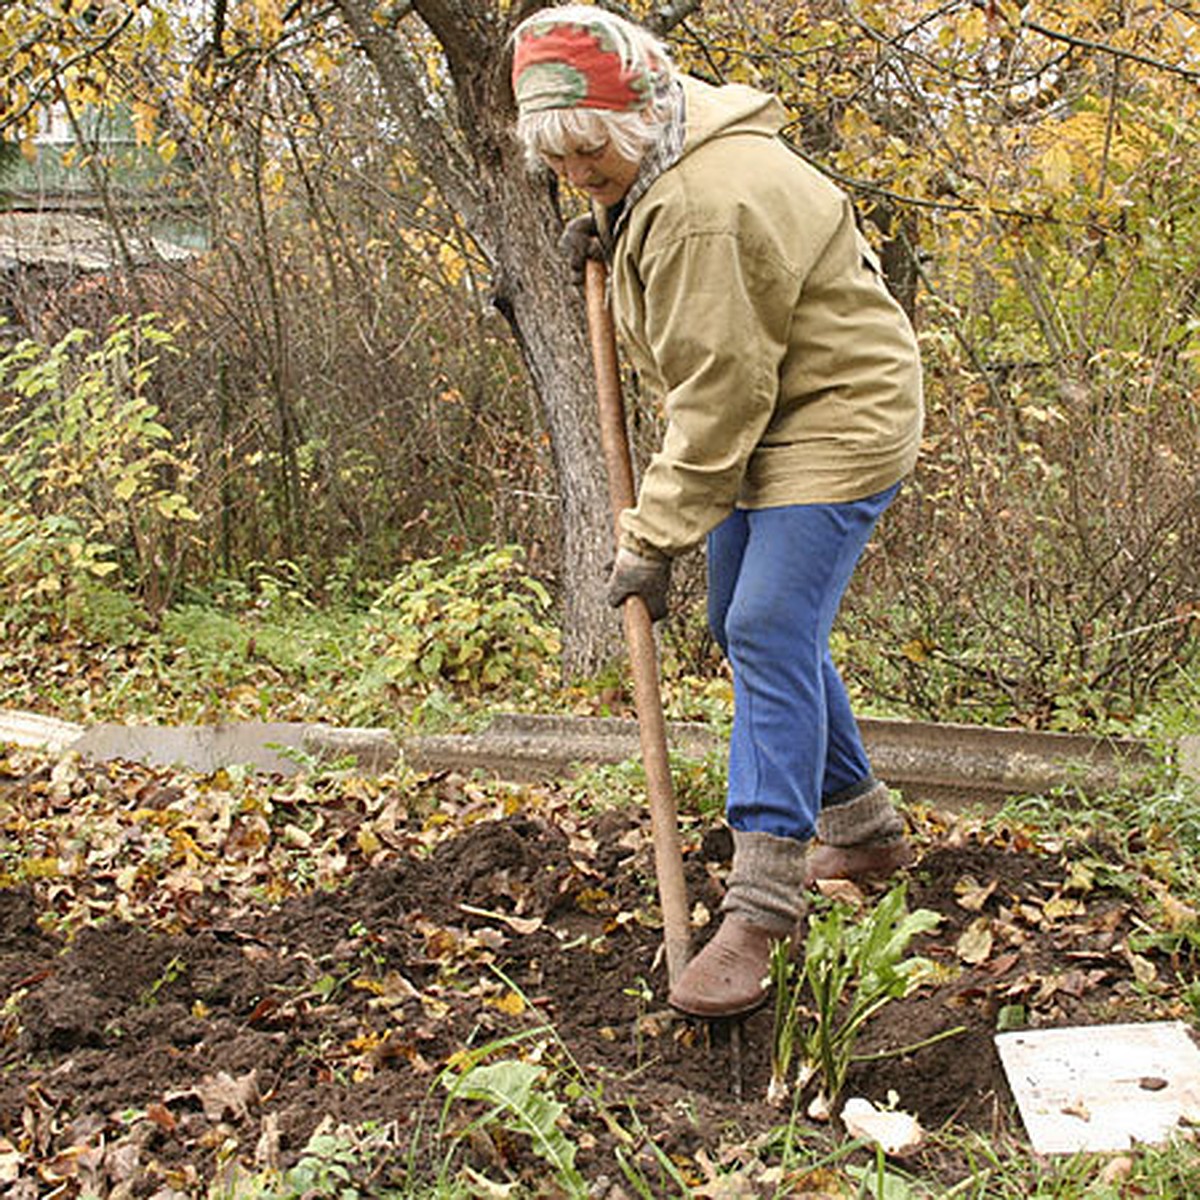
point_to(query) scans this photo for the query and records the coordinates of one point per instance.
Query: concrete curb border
(282, 747)
(938, 763)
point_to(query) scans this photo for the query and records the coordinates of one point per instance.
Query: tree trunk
(480, 168)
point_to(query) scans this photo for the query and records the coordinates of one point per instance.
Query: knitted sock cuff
(766, 884)
(871, 817)
(866, 784)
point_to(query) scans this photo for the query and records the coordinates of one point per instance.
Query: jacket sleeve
(718, 305)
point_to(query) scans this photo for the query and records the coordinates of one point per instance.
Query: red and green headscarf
(566, 62)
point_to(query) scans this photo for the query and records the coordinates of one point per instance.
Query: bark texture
(465, 146)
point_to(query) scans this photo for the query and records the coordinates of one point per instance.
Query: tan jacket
(754, 311)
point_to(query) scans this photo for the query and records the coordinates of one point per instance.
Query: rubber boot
(861, 839)
(763, 904)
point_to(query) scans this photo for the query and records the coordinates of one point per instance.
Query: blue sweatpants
(775, 580)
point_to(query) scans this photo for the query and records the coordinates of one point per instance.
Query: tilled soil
(145, 1063)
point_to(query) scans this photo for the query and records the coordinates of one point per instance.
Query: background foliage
(340, 397)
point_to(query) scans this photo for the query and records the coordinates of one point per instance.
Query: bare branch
(217, 41)
(665, 18)
(409, 99)
(1116, 51)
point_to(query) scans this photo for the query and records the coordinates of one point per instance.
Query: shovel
(639, 635)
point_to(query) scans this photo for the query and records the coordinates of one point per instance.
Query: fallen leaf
(656, 1024)
(488, 1189)
(971, 894)
(490, 938)
(224, 1098)
(1074, 983)
(975, 942)
(263, 1009)
(842, 891)
(1144, 971)
(1080, 878)
(1116, 1170)
(1059, 907)
(730, 1185)
(299, 839)
(266, 1150)
(1003, 963)
(440, 944)
(1177, 915)
(634, 839)
(10, 1161)
(162, 1117)
(398, 987)
(122, 1163)
(516, 924)
(594, 900)
(511, 1003)
(434, 1009)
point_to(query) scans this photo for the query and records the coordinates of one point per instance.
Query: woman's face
(597, 170)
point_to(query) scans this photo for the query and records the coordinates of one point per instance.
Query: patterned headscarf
(568, 62)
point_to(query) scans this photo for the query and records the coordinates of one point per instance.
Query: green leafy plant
(470, 625)
(786, 980)
(645, 1166)
(338, 1162)
(89, 480)
(170, 973)
(515, 1096)
(852, 968)
(642, 994)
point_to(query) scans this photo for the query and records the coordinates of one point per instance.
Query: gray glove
(579, 241)
(633, 575)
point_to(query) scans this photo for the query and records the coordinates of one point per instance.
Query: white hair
(554, 131)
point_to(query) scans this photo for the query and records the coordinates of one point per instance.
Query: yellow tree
(1026, 166)
(442, 69)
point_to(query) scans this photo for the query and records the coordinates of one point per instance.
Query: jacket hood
(706, 113)
(734, 108)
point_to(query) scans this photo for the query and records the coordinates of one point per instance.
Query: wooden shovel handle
(639, 635)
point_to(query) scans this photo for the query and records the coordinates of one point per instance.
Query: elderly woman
(754, 311)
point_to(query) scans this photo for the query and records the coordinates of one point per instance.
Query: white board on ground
(1102, 1087)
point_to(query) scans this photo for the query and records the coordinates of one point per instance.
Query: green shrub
(90, 486)
(472, 625)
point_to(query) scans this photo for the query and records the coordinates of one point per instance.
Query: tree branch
(457, 28)
(409, 98)
(866, 187)
(664, 19)
(53, 75)
(1083, 43)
